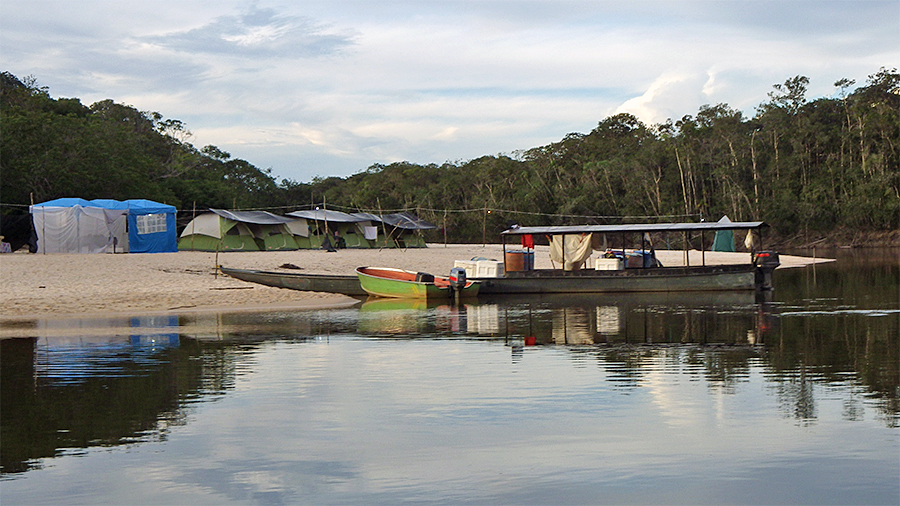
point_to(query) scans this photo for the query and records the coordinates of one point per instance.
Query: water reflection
(80, 384)
(577, 320)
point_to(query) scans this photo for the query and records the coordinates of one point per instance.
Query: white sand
(68, 285)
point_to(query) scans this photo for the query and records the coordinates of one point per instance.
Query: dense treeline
(815, 166)
(62, 148)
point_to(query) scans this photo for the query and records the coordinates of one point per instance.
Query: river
(671, 399)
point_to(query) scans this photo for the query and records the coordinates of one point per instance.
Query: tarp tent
(73, 225)
(376, 232)
(221, 230)
(404, 229)
(321, 223)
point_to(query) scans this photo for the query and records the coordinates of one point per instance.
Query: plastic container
(515, 261)
(468, 265)
(519, 261)
(488, 269)
(609, 264)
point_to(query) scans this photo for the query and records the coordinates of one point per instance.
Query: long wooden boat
(331, 283)
(399, 283)
(648, 276)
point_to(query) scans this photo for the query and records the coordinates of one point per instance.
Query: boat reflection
(412, 317)
(577, 320)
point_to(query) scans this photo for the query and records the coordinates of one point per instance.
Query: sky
(328, 88)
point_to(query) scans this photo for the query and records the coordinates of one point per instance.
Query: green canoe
(398, 283)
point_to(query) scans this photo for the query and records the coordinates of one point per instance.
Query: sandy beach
(72, 285)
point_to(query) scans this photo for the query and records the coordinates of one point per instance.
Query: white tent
(73, 225)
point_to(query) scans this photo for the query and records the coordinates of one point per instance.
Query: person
(339, 241)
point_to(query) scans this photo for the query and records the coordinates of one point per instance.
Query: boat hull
(667, 279)
(398, 283)
(329, 283)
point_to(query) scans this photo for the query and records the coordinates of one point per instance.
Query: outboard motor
(765, 262)
(457, 281)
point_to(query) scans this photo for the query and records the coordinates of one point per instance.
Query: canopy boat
(398, 283)
(331, 283)
(636, 271)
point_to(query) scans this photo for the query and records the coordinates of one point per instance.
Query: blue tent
(73, 225)
(151, 227)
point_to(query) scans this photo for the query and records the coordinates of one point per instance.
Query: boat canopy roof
(637, 228)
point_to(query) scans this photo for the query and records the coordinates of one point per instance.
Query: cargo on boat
(621, 270)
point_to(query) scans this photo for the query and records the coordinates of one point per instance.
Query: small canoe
(398, 283)
(346, 284)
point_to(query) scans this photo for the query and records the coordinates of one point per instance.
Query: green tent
(313, 226)
(724, 240)
(221, 230)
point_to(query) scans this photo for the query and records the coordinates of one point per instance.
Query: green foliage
(60, 148)
(799, 164)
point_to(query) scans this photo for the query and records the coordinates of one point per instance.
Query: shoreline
(107, 285)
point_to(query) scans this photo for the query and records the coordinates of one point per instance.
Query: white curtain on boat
(570, 250)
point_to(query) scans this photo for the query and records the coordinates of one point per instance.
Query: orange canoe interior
(402, 276)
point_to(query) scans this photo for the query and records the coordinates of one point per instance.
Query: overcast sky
(310, 88)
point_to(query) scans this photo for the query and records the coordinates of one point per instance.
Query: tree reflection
(801, 352)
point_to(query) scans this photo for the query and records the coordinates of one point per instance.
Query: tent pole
(383, 227)
(194, 223)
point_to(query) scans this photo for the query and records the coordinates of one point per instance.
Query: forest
(808, 167)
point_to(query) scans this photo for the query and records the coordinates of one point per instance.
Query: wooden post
(563, 253)
(383, 228)
(484, 228)
(702, 250)
(503, 240)
(325, 215)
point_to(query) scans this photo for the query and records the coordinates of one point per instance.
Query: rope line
(488, 210)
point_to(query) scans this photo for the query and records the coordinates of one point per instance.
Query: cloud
(666, 98)
(257, 33)
(331, 87)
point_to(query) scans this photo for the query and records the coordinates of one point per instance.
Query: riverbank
(47, 286)
(837, 239)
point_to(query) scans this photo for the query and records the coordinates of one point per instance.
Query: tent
(724, 239)
(17, 230)
(403, 230)
(73, 225)
(321, 223)
(220, 230)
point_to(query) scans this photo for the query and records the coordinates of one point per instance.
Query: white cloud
(666, 97)
(328, 88)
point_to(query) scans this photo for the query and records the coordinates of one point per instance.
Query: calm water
(590, 400)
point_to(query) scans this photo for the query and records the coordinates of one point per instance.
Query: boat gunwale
(440, 282)
(636, 228)
(687, 270)
(228, 270)
(416, 288)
